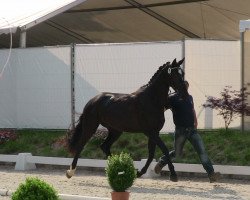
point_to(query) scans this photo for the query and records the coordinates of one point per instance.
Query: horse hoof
(139, 174)
(173, 178)
(68, 174)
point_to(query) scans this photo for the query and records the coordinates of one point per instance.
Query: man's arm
(195, 117)
(168, 103)
(195, 120)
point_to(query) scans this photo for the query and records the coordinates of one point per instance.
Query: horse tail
(74, 142)
(87, 124)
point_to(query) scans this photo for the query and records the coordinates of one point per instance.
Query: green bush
(120, 171)
(35, 189)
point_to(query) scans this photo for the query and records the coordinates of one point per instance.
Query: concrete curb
(78, 197)
(5, 192)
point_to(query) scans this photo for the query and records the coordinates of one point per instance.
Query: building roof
(27, 13)
(114, 21)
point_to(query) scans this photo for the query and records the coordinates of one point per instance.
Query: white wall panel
(246, 63)
(7, 90)
(41, 89)
(35, 86)
(211, 65)
(121, 68)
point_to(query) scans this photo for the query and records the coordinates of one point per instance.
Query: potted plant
(121, 174)
(35, 189)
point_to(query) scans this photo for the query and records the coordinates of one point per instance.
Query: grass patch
(226, 148)
(37, 142)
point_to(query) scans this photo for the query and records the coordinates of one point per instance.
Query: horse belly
(121, 120)
(132, 122)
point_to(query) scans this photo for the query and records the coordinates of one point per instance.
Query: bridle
(180, 71)
(170, 69)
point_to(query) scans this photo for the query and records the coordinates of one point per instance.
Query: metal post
(72, 78)
(22, 42)
(242, 74)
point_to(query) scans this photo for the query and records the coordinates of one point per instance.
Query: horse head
(175, 77)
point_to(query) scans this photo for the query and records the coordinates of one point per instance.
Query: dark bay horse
(140, 111)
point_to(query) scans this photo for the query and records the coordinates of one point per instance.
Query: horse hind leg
(113, 135)
(71, 171)
(88, 133)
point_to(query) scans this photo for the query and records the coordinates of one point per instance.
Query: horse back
(126, 112)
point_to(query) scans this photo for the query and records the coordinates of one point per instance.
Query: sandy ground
(89, 183)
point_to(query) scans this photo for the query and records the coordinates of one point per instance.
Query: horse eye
(179, 71)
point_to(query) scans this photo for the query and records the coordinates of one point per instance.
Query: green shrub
(35, 189)
(120, 171)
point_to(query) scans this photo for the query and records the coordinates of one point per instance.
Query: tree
(230, 104)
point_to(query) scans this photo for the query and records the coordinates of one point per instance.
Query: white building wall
(246, 62)
(211, 65)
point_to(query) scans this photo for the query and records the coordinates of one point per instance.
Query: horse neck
(160, 90)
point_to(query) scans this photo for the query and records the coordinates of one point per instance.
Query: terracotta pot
(119, 195)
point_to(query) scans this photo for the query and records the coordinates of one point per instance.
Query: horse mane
(156, 75)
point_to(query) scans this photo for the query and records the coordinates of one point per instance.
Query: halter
(170, 69)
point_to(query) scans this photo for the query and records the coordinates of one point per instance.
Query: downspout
(242, 75)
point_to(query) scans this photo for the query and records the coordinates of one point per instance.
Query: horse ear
(181, 61)
(174, 62)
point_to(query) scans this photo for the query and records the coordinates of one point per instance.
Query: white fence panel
(121, 68)
(211, 65)
(25, 160)
(36, 89)
(7, 91)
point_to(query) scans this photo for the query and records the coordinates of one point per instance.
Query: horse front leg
(156, 138)
(151, 153)
(113, 136)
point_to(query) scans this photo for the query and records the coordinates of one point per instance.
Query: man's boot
(158, 167)
(214, 177)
